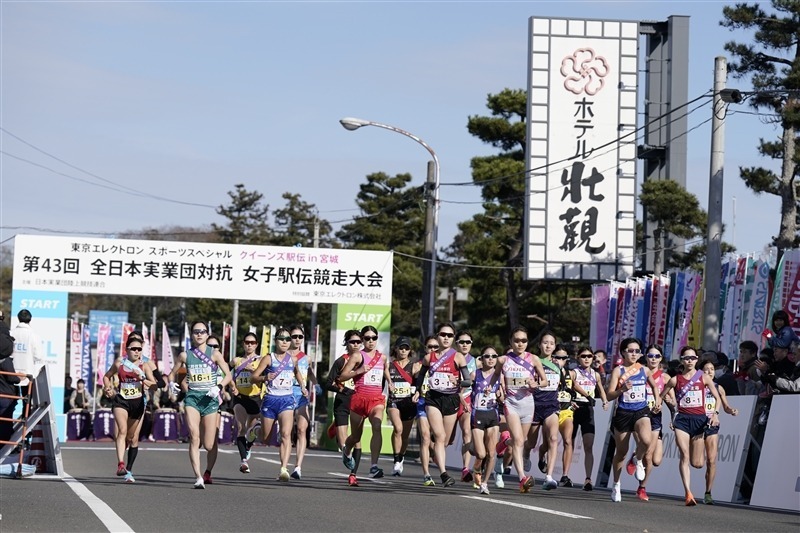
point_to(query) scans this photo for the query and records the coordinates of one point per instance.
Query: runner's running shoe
(542, 464)
(498, 481)
(525, 484)
(642, 494)
(526, 464)
(284, 475)
(207, 478)
(296, 473)
(707, 499)
(616, 494)
(639, 473)
(484, 488)
(428, 481)
(129, 478)
(121, 470)
(690, 501)
(447, 481)
(375, 472)
(244, 468)
(348, 460)
(352, 480)
(199, 483)
(549, 484)
(466, 475)
(587, 485)
(502, 445)
(630, 466)
(565, 481)
(397, 469)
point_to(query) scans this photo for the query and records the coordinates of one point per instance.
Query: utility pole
(714, 236)
(429, 254)
(314, 304)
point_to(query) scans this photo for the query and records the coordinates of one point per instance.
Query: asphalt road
(92, 499)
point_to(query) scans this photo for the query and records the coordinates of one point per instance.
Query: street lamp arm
(352, 124)
(431, 219)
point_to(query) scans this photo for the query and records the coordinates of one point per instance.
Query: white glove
(174, 388)
(213, 392)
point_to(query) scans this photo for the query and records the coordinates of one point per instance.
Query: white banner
(731, 456)
(202, 270)
(777, 483)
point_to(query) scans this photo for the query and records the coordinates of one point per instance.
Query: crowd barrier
(777, 483)
(734, 442)
(168, 425)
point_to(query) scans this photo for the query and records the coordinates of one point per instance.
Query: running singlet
(635, 398)
(371, 383)
(242, 375)
(691, 397)
(586, 379)
(402, 388)
(565, 392)
(484, 395)
(444, 379)
(302, 365)
(658, 377)
(201, 376)
(711, 402)
(516, 376)
(548, 394)
(130, 381)
(282, 384)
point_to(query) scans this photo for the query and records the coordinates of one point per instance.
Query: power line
(565, 160)
(112, 185)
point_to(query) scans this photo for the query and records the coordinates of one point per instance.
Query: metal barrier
(26, 401)
(38, 416)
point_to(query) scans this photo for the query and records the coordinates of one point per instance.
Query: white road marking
(528, 507)
(106, 514)
(273, 461)
(186, 449)
(339, 474)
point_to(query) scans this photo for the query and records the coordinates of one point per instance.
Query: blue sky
(185, 99)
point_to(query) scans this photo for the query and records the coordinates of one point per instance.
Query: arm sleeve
(420, 379)
(333, 375)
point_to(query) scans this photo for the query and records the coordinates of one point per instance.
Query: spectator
(747, 376)
(68, 390)
(599, 364)
(723, 376)
(780, 365)
(782, 334)
(28, 356)
(79, 399)
(164, 398)
(101, 400)
(789, 385)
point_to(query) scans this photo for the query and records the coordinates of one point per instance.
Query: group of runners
(502, 402)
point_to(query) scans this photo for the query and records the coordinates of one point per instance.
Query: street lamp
(431, 220)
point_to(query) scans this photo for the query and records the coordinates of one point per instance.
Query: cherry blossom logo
(584, 72)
